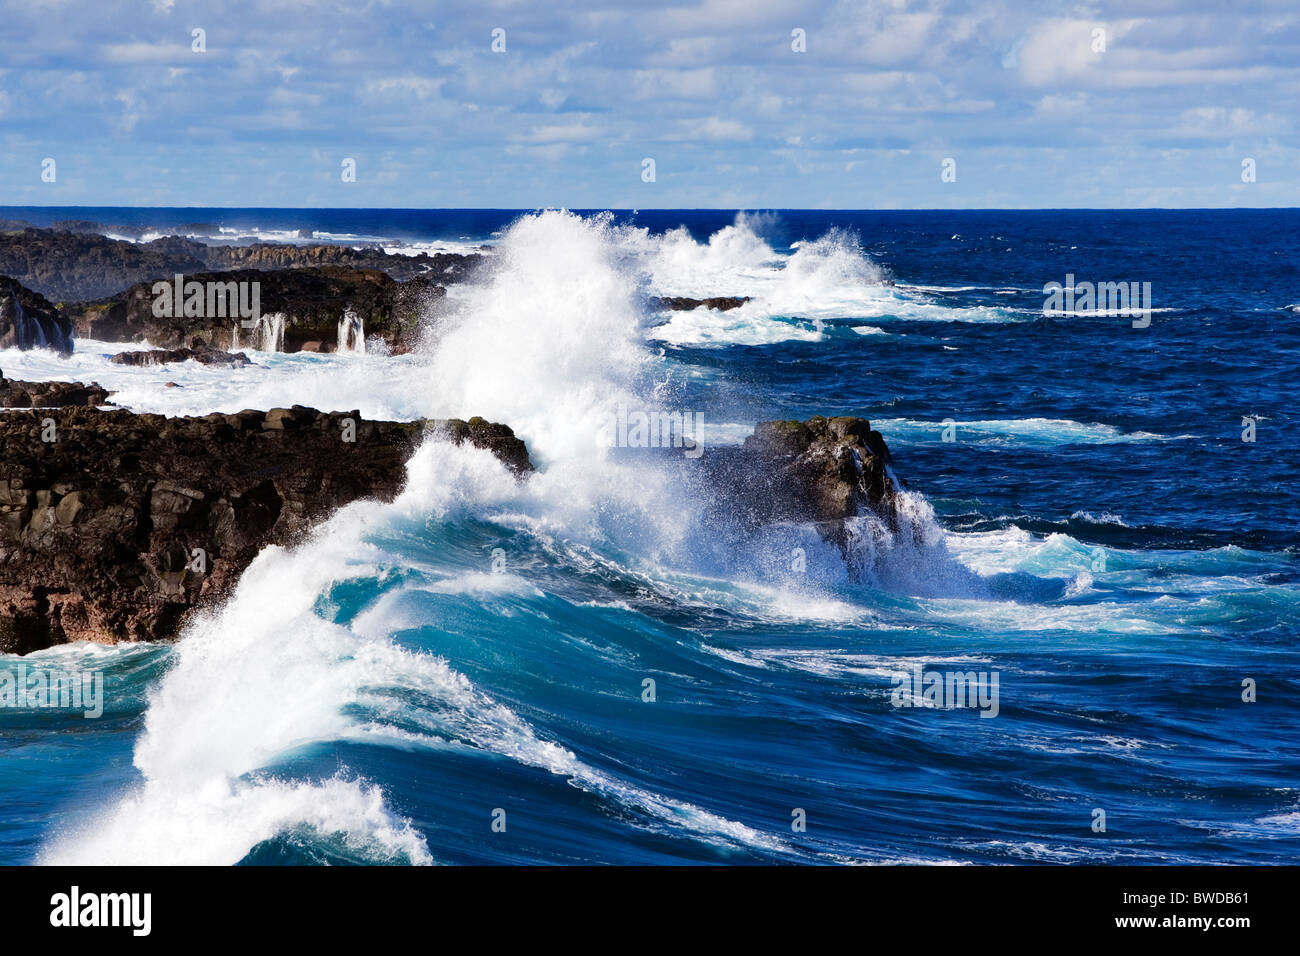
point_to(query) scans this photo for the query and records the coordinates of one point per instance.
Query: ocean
(583, 668)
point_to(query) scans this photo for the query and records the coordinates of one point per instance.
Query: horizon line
(636, 209)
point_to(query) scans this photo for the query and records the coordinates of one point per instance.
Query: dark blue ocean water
(1097, 532)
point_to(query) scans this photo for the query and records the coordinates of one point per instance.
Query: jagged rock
(823, 470)
(199, 352)
(71, 266)
(124, 524)
(86, 227)
(721, 303)
(74, 264)
(441, 268)
(15, 394)
(496, 438)
(28, 320)
(311, 302)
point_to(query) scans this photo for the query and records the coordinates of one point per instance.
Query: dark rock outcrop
(441, 268)
(115, 526)
(29, 320)
(15, 394)
(311, 301)
(199, 351)
(720, 303)
(823, 470)
(74, 264)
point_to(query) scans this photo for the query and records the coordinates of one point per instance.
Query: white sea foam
(436, 246)
(380, 387)
(274, 676)
(1029, 431)
(791, 294)
(856, 665)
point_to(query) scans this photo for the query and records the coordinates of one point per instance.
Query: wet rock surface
(822, 470)
(29, 320)
(116, 526)
(75, 264)
(300, 310)
(16, 394)
(198, 351)
(681, 303)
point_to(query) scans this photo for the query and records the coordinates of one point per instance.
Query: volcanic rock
(309, 301)
(28, 320)
(15, 394)
(823, 470)
(199, 352)
(73, 264)
(720, 303)
(116, 526)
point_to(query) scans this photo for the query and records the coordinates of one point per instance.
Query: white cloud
(716, 128)
(586, 83)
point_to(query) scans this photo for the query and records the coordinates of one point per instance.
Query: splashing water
(269, 333)
(352, 334)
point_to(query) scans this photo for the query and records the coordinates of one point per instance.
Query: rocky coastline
(115, 526)
(71, 280)
(28, 320)
(58, 282)
(74, 263)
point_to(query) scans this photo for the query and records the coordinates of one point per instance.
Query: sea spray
(549, 338)
(269, 332)
(352, 334)
(790, 295)
(773, 691)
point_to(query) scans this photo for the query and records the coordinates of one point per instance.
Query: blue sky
(1018, 94)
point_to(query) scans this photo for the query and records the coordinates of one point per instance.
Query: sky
(860, 104)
